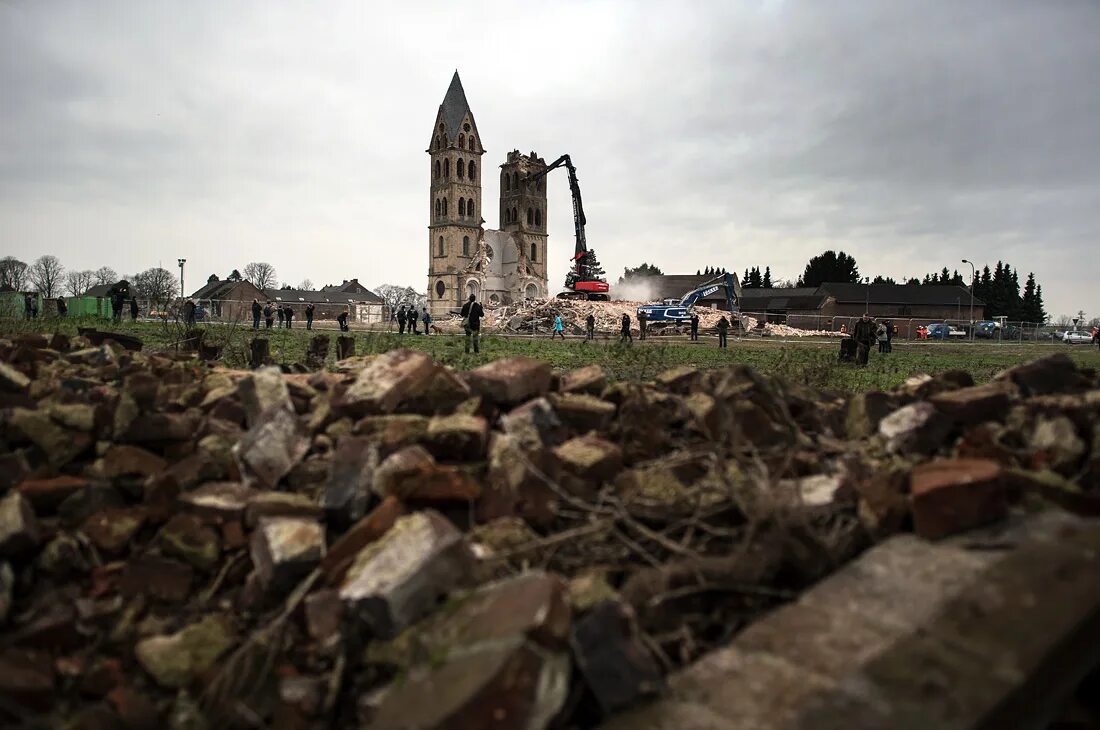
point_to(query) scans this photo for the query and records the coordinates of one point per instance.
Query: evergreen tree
(745, 278)
(767, 280)
(831, 266)
(755, 280)
(591, 270)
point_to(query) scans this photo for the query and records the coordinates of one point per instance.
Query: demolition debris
(396, 544)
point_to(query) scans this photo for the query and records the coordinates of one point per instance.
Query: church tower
(523, 211)
(454, 205)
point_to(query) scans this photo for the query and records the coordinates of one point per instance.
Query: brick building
(366, 307)
(228, 300)
(498, 266)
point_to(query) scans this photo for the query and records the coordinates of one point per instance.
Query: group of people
(285, 314)
(866, 332)
(118, 304)
(625, 334)
(407, 318)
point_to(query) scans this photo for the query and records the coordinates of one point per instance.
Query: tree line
(999, 288)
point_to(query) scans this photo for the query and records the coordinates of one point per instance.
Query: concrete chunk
(388, 380)
(262, 391)
(284, 550)
(271, 449)
(510, 380)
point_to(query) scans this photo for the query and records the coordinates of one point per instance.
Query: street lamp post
(973, 277)
(181, 263)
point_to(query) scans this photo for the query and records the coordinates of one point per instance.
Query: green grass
(811, 363)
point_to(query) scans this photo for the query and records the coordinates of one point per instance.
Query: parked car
(1076, 337)
(944, 332)
(986, 330)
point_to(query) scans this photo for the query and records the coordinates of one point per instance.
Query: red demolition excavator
(580, 284)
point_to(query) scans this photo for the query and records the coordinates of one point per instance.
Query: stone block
(589, 379)
(590, 458)
(955, 495)
(186, 537)
(388, 380)
(583, 413)
(457, 437)
(59, 445)
(372, 527)
(347, 493)
(271, 449)
(614, 663)
(175, 661)
(1051, 374)
(261, 391)
(975, 404)
(397, 579)
(865, 412)
(284, 550)
(18, 527)
(917, 428)
(534, 424)
(511, 380)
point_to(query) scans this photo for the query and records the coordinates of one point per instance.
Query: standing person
(880, 335)
(471, 322)
(189, 313)
(62, 308)
(134, 310)
(559, 330)
(256, 311)
(309, 315)
(590, 326)
(625, 335)
(28, 305)
(401, 319)
(642, 319)
(411, 320)
(279, 314)
(427, 320)
(288, 316)
(694, 327)
(890, 331)
(864, 334)
(1096, 336)
(342, 319)
(269, 315)
(723, 329)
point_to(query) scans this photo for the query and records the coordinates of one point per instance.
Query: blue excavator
(680, 312)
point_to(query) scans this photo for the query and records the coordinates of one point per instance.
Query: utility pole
(181, 263)
(973, 278)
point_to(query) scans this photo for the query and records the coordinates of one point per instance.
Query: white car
(1076, 337)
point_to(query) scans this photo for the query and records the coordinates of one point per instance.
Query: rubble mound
(400, 545)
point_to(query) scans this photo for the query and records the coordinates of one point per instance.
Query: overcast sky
(735, 134)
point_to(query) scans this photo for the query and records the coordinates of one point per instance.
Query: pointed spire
(454, 108)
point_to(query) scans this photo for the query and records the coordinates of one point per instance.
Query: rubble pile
(399, 545)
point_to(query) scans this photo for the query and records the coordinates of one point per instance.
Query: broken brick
(954, 495)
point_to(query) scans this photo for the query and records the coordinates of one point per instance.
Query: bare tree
(395, 295)
(13, 273)
(157, 285)
(78, 282)
(105, 275)
(45, 273)
(306, 285)
(261, 275)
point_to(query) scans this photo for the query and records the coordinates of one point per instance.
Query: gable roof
(301, 296)
(777, 298)
(223, 288)
(926, 294)
(454, 109)
(99, 290)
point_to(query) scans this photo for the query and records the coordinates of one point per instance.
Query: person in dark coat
(342, 319)
(642, 320)
(889, 335)
(269, 315)
(410, 320)
(309, 315)
(28, 305)
(288, 316)
(723, 329)
(257, 310)
(471, 322)
(624, 334)
(62, 308)
(189, 313)
(133, 309)
(590, 327)
(279, 314)
(694, 327)
(864, 335)
(426, 319)
(402, 319)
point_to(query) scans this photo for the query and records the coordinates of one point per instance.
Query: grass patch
(813, 363)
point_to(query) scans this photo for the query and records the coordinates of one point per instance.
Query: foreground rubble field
(398, 545)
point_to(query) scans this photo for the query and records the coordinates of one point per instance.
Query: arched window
(460, 169)
(440, 289)
(538, 217)
(515, 215)
(465, 247)
(515, 180)
(472, 169)
(507, 181)
(530, 217)
(461, 141)
(444, 207)
(446, 168)
(534, 252)
(438, 169)
(471, 147)
(438, 208)
(470, 208)
(440, 252)
(462, 206)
